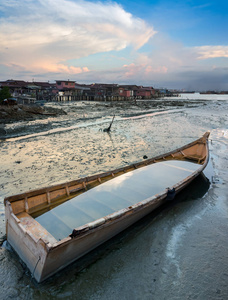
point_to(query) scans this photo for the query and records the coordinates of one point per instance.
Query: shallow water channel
(177, 252)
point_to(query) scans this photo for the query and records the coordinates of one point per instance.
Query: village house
(68, 90)
(126, 93)
(144, 92)
(164, 93)
(131, 88)
(41, 90)
(16, 87)
(64, 85)
(103, 91)
(82, 90)
(28, 90)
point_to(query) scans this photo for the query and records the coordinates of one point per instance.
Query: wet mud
(177, 252)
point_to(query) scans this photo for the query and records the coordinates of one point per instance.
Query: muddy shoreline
(20, 112)
(178, 253)
(18, 120)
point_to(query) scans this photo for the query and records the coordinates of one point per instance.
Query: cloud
(165, 63)
(206, 52)
(134, 71)
(46, 34)
(60, 68)
(99, 42)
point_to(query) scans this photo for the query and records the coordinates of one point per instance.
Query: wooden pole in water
(109, 128)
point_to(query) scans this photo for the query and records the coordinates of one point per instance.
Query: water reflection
(114, 195)
(196, 190)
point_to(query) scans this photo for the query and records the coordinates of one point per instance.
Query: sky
(165, 44)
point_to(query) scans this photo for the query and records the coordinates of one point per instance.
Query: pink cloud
(143, 69)
(59, 68)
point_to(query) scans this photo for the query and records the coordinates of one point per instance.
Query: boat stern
(32, 250)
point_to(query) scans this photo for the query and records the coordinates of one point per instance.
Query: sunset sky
(166, 43)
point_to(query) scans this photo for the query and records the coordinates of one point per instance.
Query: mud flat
(24, 119)
(179, 252)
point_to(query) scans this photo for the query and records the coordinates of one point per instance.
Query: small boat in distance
(51, 227)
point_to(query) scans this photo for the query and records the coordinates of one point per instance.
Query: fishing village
(28, 92)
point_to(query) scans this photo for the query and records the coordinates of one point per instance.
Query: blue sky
(173, 44)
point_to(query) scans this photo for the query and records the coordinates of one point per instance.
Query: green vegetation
(4, 93)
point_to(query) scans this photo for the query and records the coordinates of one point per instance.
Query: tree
(4, 93)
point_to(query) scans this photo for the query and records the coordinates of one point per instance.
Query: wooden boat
(48, 236)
